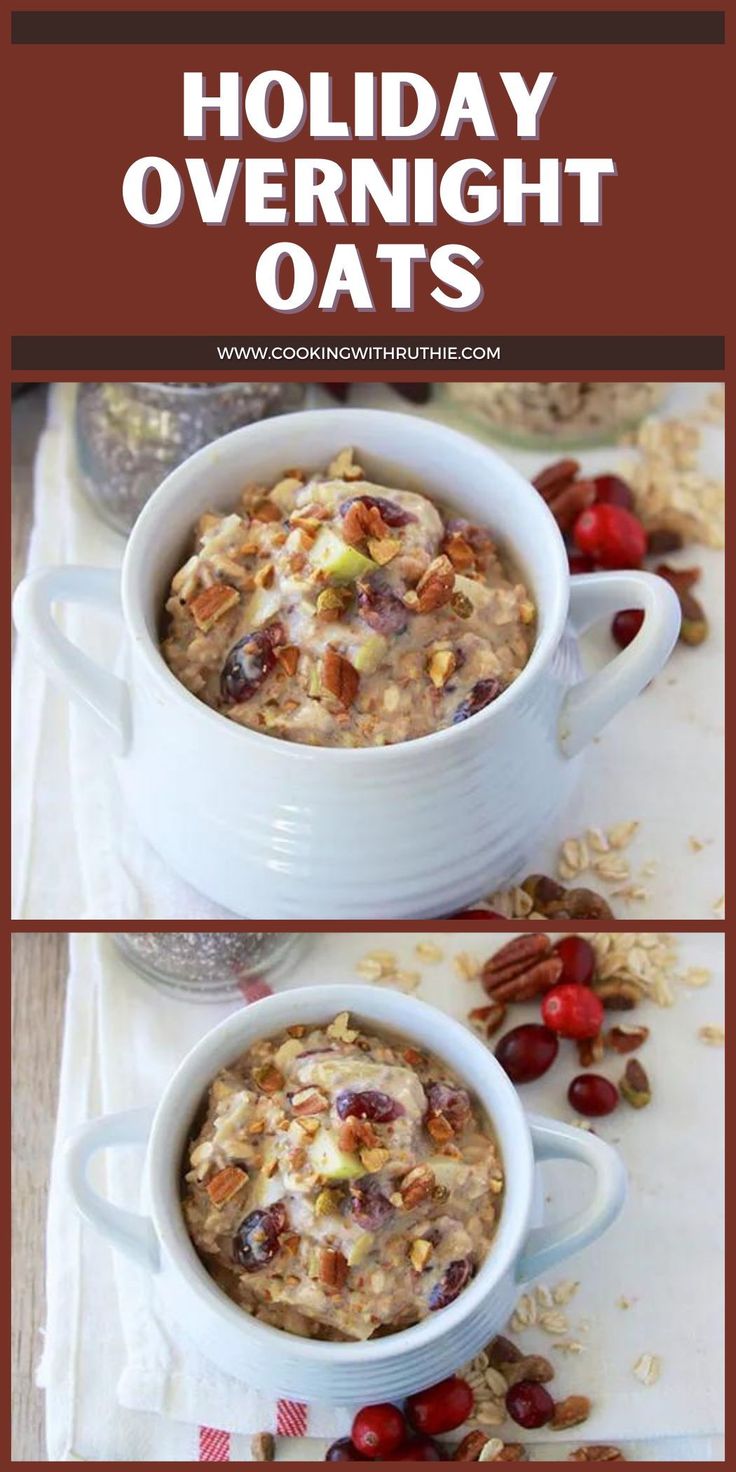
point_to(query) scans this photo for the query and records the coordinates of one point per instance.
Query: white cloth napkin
(66, 796)
(122, 1384)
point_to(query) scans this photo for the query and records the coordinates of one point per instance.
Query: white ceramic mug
(275, 830)
(284, 1364)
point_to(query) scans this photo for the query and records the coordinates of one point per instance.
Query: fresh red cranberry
(453, 1103)
(611, 490)
(256, 1241)
(527, 1052)
(573, 1011)
(378, 1431)
(593, 1095)
(452, 1282)
(626, 625)
(578, 959)
(371, 1104)
(579, 562)
(441, 1407)
(420, 1449)
(529, 1404)
(611, 536)
(343, 1451)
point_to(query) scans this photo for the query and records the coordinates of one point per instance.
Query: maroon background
(80, 264)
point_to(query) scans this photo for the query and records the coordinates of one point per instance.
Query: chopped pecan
(226, 1184)
(597, 1454)
(309, 1101)
(590, 1051)
(470, 1448)
(570, 1412)
(211, 604)
(374, 1159)
(522, 969)
(417, 1186)
(288, 658)
(339, 677)
(262, 1447)
(266, 511)
(356, 1133)
(268, 1079)
(626, 1038)
(435, 587)
(440, 1129)
(361, 522)
(333, 1268)
(557, 903)
(489, 1018)
(635, 1085)
(617, 995)
(502, 1351)
(420, 1251)
(440, 666)
(511, 1451)
(459, 551)
(530, 1367)
(328, 1202)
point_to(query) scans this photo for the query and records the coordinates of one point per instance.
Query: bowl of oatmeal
(338, 1208)
(347, 737)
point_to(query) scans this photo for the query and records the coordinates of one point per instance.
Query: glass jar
(130, 435)
(555, 415)
(209, 966)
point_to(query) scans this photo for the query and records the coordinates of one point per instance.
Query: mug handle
(546, 1246)
(96, 688)
(129, 1231)
(591, 704)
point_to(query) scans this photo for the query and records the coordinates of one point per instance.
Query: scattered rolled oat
(569, 1346)
(428, 952)
(564, 1291)
(712, 1034)
(467, 966)
(648, 1368)
(554, 1322)
(669, 489)
(645, 961)
(696, 976)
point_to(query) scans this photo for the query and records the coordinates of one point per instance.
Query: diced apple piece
(337, 559)
(330, 1161)
(360, 1248)
(478, 593)
(262, 606)
(447, 1172)
(367, 658)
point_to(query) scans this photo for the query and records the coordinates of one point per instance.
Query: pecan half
(554, 478)
(226, 1184)
(502, 1351)
(339, 677)
(567, 504)
(626, 1038)
(557, 903)
(597, 1454)
(470, 1448)
(635, 1085)
(570, 1412)
(530, 1367)
(435, 587)
(522, 969)
(333, 1268)
(262, 1447)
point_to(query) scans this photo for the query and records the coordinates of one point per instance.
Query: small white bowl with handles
(286, 1365)
(271, 829)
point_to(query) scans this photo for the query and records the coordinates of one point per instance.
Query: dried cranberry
(343, 1451)
(378, 1431)
(256, 1241)
(419, 1449)
(371, 1104)
(481, 695)
(453, 1103)
(578, 959)
(592, 1094)
(441, 1407)
(611, 490)
(452, 1282)
(379, 608)
(611, 536)
(526, 1052)
(479, 915)
(626, 625)
(369, 1206)
(573, 1011)
(392, 514)
(249, 663)
(529, 1404)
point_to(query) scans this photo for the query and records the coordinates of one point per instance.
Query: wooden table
(38, 988)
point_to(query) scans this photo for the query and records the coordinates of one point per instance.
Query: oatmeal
(342, 1184)
(336, 612)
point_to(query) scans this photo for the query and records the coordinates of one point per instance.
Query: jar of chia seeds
(130, 435)
(210, 966)
(554, 415)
